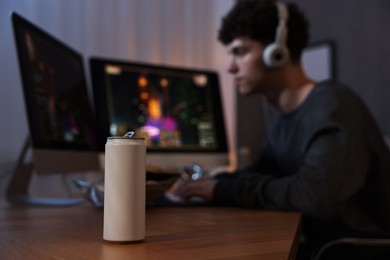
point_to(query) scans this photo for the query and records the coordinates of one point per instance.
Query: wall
(359, 29)
(173, 32)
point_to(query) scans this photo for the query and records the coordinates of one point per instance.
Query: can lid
(128, 135)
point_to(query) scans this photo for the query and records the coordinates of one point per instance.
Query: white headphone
(277, 54)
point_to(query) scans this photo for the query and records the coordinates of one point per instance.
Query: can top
(128, 135)
(124, 137)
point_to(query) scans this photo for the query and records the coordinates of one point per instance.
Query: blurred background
(183, 33)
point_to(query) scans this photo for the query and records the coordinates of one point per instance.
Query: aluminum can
(124, 190)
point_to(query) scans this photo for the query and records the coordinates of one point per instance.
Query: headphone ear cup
(275, 55)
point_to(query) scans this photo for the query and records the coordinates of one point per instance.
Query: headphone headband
(281, 30)
(277, 54)
(282, 12)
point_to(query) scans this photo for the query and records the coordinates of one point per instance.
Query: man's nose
(232, 67)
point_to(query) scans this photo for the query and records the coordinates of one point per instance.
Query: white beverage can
(124, 189)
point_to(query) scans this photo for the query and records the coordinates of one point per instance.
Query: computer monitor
(318, 60)
(177, 110)
(61, 120)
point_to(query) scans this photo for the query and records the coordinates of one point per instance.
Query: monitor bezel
(97, 69)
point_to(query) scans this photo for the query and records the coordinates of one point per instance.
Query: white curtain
(172, 32)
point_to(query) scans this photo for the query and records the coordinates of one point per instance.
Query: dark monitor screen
(60, 115)
(174, 109)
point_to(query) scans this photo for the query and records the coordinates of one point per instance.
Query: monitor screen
(60, 116)
(177, 110)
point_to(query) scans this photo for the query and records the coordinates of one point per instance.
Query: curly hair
(258, 19)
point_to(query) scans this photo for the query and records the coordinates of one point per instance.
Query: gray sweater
(327, 160)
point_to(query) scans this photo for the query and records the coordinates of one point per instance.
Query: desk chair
(382, 241)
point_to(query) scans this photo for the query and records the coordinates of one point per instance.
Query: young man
(324, 155)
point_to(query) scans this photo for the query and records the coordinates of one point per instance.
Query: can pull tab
(129, 134)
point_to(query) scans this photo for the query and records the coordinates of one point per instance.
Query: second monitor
(178, 111)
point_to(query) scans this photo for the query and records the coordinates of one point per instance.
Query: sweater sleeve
(333, 169)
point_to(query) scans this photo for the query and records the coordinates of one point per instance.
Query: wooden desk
(171, 233)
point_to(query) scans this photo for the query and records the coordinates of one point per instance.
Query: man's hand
(186, 189)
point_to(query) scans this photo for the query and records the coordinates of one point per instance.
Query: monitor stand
(17, 192)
